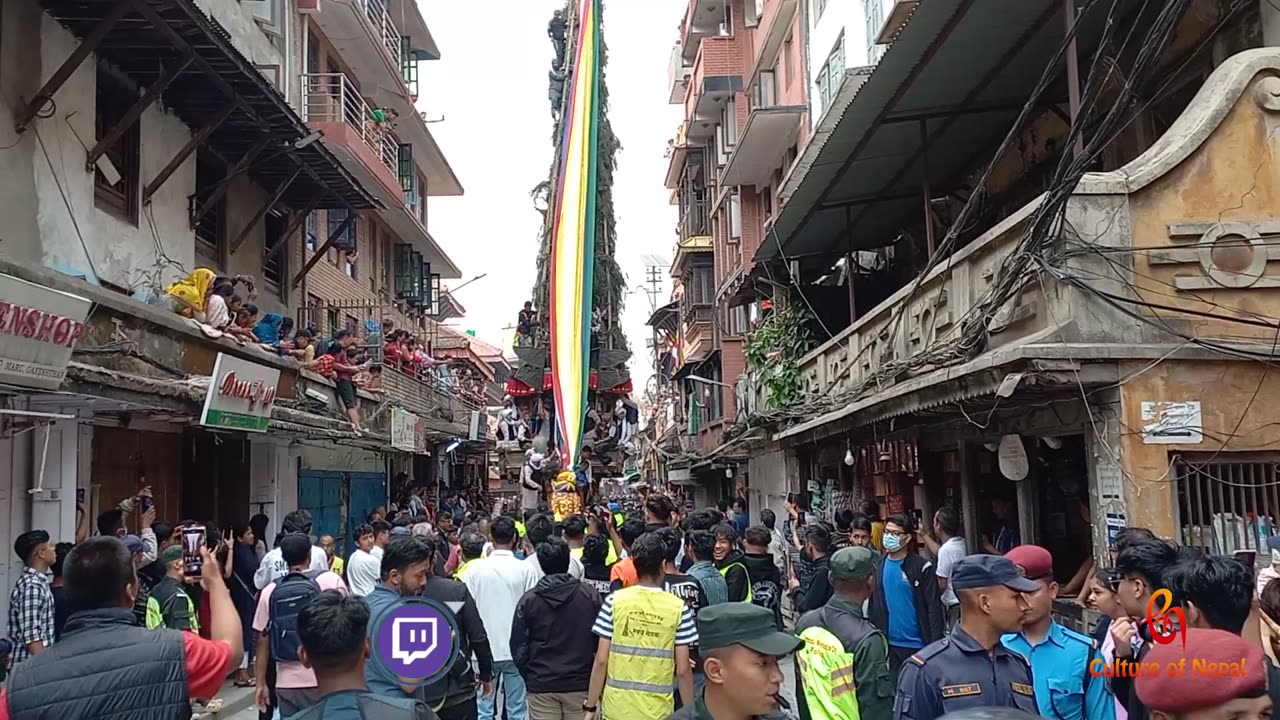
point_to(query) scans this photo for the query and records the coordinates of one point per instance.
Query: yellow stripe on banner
(570, 303)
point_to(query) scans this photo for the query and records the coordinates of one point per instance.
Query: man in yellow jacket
(645, 638)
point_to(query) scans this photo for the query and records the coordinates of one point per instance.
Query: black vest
(105, 667)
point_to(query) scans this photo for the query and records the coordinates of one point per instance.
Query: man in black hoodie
(729, 562)
(766, 581)
(555, 617)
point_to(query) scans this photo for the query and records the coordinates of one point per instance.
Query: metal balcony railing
(331, 98)
(375, 12)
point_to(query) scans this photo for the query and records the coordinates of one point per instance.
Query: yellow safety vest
(826, 671)
(519, 529)
(336, 564)
(612, 557)
(458, 573)
(724, 572)
(642, 655)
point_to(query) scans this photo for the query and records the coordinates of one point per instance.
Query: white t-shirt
(575, 567)
(273, 567)
(364, 570)
(216, 314)
(951, 552)
(497, 583)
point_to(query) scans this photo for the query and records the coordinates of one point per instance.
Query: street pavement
(788, 690)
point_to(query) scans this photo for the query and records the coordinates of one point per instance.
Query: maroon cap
(1034, 561)
(1220, 667)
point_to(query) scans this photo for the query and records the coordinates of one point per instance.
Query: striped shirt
(686, 631)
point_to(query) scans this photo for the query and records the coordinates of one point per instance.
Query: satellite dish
(1012, 456)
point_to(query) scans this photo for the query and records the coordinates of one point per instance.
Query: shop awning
(958, 73)
(214, 86)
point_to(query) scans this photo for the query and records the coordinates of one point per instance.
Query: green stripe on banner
(589, 228)
(236, 421)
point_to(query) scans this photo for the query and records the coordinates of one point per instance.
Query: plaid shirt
(30, 613)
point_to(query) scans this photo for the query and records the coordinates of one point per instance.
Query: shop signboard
(39, 327)
(404, 430)
(240, 396)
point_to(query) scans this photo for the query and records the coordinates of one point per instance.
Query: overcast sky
(490, 86)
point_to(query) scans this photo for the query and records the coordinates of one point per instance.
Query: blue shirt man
(1060, 658)
(904, 623)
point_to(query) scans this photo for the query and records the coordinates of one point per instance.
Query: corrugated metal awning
(960, 71)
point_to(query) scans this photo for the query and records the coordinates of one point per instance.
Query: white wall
(840, 16)
(340, 458)
(273, 478)
(20, 457)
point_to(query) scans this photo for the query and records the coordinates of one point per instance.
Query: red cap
(1238, 669)
(1034, 561)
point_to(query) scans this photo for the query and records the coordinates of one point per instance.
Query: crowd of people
(633, 608)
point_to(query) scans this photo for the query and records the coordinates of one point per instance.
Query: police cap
(981, 571)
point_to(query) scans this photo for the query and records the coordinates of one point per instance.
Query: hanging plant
(774, 351)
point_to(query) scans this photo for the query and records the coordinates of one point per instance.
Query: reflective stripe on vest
(724, 572)
(827, 673)
(458, 574)
(640, 679)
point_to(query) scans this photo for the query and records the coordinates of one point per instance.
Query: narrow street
(788, 691)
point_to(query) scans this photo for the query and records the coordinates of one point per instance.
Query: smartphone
(192, 540)
(80, 496)
(147, 502)
(1247, 558)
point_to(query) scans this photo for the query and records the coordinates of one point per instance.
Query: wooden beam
(196, 141)
(289, 231)
(238, 169)
(262, 211)
(320, 251)
(60, 76)
(126, 121)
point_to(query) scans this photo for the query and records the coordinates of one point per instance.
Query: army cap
(852, 563)
(751, 626)
(1217, 667)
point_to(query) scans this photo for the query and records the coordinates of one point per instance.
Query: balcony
(703, 18)
(364, 35)
(898, 16)
(689, 248)
(716, 78)
(678, 72)
(332, 105)
(696, 331)
(763, 144)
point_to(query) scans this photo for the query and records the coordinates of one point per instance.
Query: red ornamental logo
(257, 392)
(1163, 626)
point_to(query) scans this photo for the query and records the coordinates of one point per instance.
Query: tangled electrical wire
(1108, 103)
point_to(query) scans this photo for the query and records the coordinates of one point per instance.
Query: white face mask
(892, 543)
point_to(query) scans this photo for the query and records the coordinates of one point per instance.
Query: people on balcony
(190, 295)
(301, 348)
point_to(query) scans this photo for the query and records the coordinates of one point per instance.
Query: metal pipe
(1073, 72)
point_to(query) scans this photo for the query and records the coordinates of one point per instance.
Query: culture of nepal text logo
(1166, 625)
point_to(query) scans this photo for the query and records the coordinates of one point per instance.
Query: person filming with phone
(106, 666)
(169, 605)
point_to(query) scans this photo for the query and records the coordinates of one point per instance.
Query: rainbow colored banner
(573, 237)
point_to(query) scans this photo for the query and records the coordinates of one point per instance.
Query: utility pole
(653, 281)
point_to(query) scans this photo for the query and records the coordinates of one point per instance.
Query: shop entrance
(1049, 508)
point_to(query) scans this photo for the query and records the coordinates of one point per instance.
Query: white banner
(241, 395)
(39, 327)
(404, 426)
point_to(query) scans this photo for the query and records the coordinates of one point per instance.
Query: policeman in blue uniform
(1061, 658)
(971, 668)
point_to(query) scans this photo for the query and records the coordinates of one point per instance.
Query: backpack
(292, 593)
